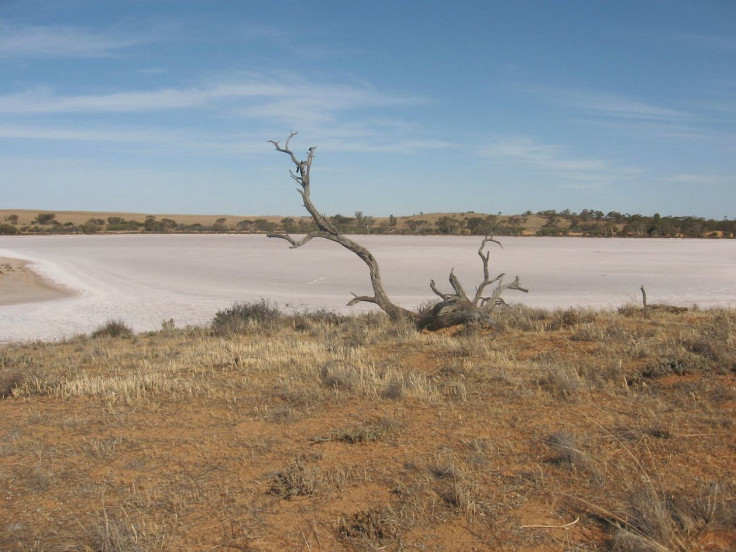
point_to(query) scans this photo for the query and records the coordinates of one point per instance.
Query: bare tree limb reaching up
(328, 232)
(455, 308)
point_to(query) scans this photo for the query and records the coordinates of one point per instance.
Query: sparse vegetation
(242, 316)
(113, 328)
(297, 480)
(8, 229)
(588, 222)
(556, 430)
(10, 380)
(45, 218)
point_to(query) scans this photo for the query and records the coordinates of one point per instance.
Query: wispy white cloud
(544, 156)
(34, 132)
(350, 117)
(268, 98)
(557, 164)
(609, 105)
(653, 129)
(43, 100)
(720, 43)
(57, 41)
(386, 146)
(700, 179)
(339, 124)
(701, 121)
(334, 139)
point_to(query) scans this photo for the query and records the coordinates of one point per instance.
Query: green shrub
(10, 380)
(307, 320)
(113, 328)
(244, 315)
(8, 229)
(45, 218)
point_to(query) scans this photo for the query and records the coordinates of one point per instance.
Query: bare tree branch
(329, 232)
(303, 169)
(457, 308)
(298, 243)
(454, 308)
(495, 298)
(361, 299)
(457, 286)
(433, 287)
(486, 278)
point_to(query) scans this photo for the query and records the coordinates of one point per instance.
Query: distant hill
(542, 223)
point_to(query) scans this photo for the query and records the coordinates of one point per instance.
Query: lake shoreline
(146, 279)
(19, 284)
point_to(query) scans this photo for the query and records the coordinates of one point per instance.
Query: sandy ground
(19, 284)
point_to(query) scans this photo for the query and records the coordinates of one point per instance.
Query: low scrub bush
(296, 480)
(660, 520)
(10, 380)
(370, 528)
(113, 328)
(241, 316)
(566, 451)
(562, 381)
(365, 433)
(666, 366)
(336, 375)
(520, 317)
(114, 533)
(308, 320)
(8, 229)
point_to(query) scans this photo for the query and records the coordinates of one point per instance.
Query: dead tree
(457, 308)
(327, 231)
(658, 306)
(454, 309)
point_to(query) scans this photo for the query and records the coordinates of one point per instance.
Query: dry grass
(565, 430)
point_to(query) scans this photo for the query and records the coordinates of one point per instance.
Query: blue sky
(415, 106)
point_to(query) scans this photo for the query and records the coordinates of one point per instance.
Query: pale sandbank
(19, 284)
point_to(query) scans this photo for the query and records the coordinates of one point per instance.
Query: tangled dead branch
(454, 308)
(457, 308)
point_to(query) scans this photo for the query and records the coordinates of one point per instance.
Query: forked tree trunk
(454, 309)
(327, 231)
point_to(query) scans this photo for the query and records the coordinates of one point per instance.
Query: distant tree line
(542, 223)
(613, 223)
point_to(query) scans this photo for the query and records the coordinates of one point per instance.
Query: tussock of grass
(10, 380)
(365, 433)
(113, 328)
(297, 480)
(658, 519)
(370, 528)
(242, 316)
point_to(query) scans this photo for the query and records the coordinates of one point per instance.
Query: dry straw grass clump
(367, 432)
(243, 316)
(297, 480)
(652, 518)
(113, 328)
(10, 380)
(370, 529)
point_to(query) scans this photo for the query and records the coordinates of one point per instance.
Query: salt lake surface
(145, 279)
